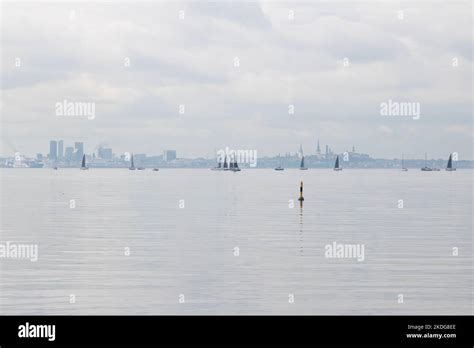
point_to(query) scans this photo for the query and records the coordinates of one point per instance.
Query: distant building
(357, 156)
(139, 158)
(79, 150)
(68, 153)
(53, 150)
(105, 153)
(156, 159)
(169, 155)
(318, 149)
(60, 149)
(39, 156)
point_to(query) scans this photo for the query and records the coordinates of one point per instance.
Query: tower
(60, 149)
(318, 149)
(53, 150)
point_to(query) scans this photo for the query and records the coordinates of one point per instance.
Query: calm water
(190, 250)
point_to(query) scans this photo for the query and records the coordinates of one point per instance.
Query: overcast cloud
(76, 51)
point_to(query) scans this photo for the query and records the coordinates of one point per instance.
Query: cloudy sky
(335, 62)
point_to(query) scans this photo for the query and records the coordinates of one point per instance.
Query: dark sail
(83, 161)
(231, 165)
(336, 165)
(450, 161)
(236, 165)
(225, 162)
(302, 162)
(132, 166)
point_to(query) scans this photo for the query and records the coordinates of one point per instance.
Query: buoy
(301, 193)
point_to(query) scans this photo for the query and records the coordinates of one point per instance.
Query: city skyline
(75, 153)
(105, 157)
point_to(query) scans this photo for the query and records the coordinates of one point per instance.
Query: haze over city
(269, 76)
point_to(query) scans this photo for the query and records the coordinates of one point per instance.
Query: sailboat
(449, 167)
(279, 168)
(302, 167)
(426, 168)
(228, 166)
(83, 165)
(336, 165)
(219, 166)
(404, 169)
(235, 167)
(132, 166)
(225, 167)
(138, 168)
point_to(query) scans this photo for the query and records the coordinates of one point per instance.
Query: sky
(202, 76)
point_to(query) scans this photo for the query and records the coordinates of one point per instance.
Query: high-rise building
(79, 146)
(170, 155)
(60, 149)
(318, 149)
(68, 153)
(53, 150)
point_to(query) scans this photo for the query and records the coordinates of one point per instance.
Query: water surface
(182, 227)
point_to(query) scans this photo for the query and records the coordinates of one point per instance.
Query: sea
(198, 242)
